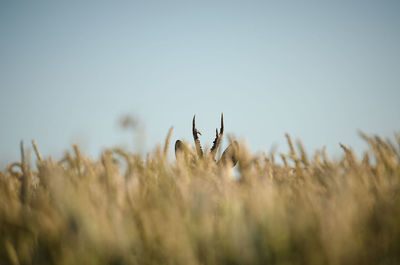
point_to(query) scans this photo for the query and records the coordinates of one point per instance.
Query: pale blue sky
(319, 70)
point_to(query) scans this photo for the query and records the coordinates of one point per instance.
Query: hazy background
(319, 70)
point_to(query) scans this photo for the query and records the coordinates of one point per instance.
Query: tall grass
(124, 209)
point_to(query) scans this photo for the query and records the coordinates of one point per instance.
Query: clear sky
(320, 70)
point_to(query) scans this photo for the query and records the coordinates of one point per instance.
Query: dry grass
(125, 209)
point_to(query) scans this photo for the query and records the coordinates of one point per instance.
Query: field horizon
(286, 208)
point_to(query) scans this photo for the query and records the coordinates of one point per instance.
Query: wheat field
(293, 208)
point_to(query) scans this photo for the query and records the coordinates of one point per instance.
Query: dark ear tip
(178, 144)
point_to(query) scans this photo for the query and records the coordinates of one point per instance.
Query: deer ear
(179, 148)
(231, 154)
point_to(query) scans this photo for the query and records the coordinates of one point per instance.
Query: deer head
(230, 155)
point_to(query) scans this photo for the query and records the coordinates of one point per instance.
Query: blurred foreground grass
(125, 209)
